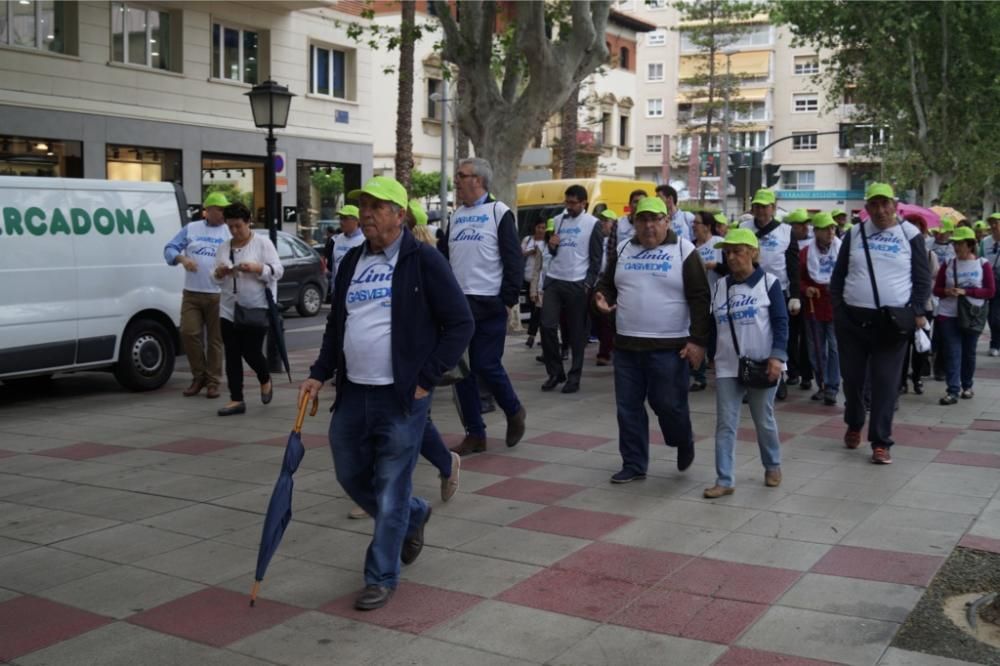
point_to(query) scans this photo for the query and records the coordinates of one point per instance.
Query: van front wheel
(146, 359)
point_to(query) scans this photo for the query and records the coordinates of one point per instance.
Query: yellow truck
(544, 199)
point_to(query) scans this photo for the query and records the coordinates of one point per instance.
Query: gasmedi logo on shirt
(885, 242)
(468, 231)
(656, 261)
(374, 283)
(743, 308)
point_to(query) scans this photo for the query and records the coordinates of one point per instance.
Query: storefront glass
(23, 156)
(147, 164)
(239, 178)
(321, 190)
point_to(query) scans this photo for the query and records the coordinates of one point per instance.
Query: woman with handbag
(246, 266)
(752, 321)
(964, 285)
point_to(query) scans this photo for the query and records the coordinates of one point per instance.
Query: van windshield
(528, 215)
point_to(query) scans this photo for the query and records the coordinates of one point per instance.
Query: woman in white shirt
(245, 266)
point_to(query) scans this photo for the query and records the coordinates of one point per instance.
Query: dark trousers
(994, 321)
(605, 325)
(536, 312)
(434, 450)
(661, 378)
(486, 363)
(798, 350)
(243, 344)
(571, 298)
(958, 348)
(863, 351)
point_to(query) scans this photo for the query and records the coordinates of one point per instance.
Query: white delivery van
(83, 282)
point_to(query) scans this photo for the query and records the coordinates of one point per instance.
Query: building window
(798, 180)
(656, 4)
(434, 87)
(235, 54)
(656, 38)
(683, 145)
(654, 71)
(747, 111)
(654, 143)
(23, 156)
(143, 164)
(808, 103)
(654, 107)
(328, 72)
(757, 36)
(805, 141)
(623, 131)
(320, 191)
(623, 56)
(44, 25)
(806, 65)
(743, 141)
(141, 36)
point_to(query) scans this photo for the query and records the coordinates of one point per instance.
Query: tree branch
(918, 108)
(453, 43)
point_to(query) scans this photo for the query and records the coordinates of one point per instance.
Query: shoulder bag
(246, 317)
(896, 322)
(971, 318)
(751, 373)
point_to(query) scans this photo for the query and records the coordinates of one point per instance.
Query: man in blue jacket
(399, 321)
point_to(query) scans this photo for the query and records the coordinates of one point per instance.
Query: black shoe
(782, 390)
(373, 596)
(817, 396)
(530, 342)
(918, 387)
(515, 427)
(239, 408)
(553, 382)
(806, 385)
(413, 544)
(627, 476)
(685, 456)
(792, 380)
(948, 399)
(571, 387)
(697, 386)
(540, 358)
(904, 389)
(266, 398)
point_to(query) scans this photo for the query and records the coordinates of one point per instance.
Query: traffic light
(737, 174)
(771, 176)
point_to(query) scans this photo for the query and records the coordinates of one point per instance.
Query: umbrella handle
(303, 403)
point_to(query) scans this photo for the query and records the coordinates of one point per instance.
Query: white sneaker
(995, 352)
(449, 485)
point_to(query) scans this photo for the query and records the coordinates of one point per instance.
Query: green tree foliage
(232, 192)
(329, 184)
(423, 185)
(927, 71)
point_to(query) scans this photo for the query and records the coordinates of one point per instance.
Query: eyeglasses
(465, 175)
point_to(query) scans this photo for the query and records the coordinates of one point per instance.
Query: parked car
(304, 283)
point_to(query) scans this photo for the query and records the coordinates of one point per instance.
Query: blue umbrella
(279, 509)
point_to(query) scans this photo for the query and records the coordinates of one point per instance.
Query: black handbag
(750, 373)
(894, 322)
(971, 318)
(246, 317)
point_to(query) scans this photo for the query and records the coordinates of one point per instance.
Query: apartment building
(778, 100)
(156, 91)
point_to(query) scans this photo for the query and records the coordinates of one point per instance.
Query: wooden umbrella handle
(303, 403)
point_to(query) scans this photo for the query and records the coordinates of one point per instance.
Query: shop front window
(240, 179)
(322, 187)
(22, 156)
(143, 164)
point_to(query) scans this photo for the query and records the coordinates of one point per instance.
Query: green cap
(418, 212)
(721, 219)
(651, 205)
(797, 216)
(994, 216)
(947, 224)
(848, 226)
(980, 224)
(822, 221)
(349, 211)
(550, 225)
(879, 190)
(609, 214)
(740, 236)
(764, 198)
(216, 199)
(383, 188)
(962, 234)
(836, 212)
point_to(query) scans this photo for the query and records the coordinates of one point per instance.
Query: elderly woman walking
(752, 322)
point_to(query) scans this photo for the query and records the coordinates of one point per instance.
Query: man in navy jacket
(399, 321)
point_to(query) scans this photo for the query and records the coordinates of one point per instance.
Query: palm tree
(404, 108)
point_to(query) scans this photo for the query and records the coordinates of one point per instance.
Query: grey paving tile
(916, 499)
(515, 631)
(11, 546)
(127, 543)
(486, 509)
(300, 583)
(956, 479)
(909, 530)
(204, 520)
(823, 507)
(863, 492)
(257, 498)
(465, 572)
(525, 546)
(121, 591)
(342, 549)
(896, 657)
(853, 597)
(701, 514)
(672, 537)
(31, 571)
(317, 639)
(797, 527)
(610, 501)
(15, 484)
(767, 551)
(103, 502)
(620, 646)
(430, 651)
(46, 526)
(988, 523)
(816, 635)
(207, 562)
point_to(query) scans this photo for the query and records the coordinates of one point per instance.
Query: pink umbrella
(924, 216)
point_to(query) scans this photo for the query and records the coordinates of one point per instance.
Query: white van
(83, 281)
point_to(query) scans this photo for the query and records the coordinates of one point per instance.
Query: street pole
(724, 144)
(443, 191)
(271, 189)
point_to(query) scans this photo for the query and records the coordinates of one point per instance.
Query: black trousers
(864, 352)
(570, 298)
(536, 312)
(243, 344)
(798, 351)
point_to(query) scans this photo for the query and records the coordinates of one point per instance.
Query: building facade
(156, 91)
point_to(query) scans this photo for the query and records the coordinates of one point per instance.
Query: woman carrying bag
(964, 285)
(246, 266)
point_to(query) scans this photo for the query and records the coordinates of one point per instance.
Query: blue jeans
(699, 374)
(375, 447)
(994, 320)
(485, 356)
(661, 378)
(827, 366)
(434, 450)
(959, 349)
(728, 403)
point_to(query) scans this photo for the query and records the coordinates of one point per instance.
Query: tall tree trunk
(461, 138)
(569, 126)
(404, 108)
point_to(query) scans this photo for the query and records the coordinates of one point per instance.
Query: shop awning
(755, 64)
(742, 95)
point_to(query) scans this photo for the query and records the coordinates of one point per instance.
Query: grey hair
(481, 168)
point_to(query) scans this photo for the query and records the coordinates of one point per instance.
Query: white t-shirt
(342, 243)
(970, 275)
(368, 329)
(203, 242)
(709, 252)
(750, 309)
(249, 288)
(681, 222)
(474, 248)
(650, 284)
(572, 260)
(820, 264)
(891, 256)
(529, 260)
(773, 246)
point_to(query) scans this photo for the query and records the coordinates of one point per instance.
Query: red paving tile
(530, 490)
(309, 441)
(28, 624)
(572, 522)
(988, 373)
(488, 463)
(690, 615)
(723, 620)
(828, 430)
(194, 446)
(414, 608)
(970, 459)
(809, 407)
(83, 451)
(988, 425)
(573, 593)
(452, 440)
(738, 656)
(569, 440)
(8, 454)
(731, 580)
(626, 563)
(980, 543)
(888, 566)
(214, 616)
(924, 437)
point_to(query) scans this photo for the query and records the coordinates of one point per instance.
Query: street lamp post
(442, 99)
(724, 141)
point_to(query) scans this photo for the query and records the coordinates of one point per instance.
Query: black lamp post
(270, 103)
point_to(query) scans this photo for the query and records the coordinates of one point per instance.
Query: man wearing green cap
(802, 233)
(194, 248)
(399, 321)
(879, 288)
(942, 247)
(350, 236)
(990, 251)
